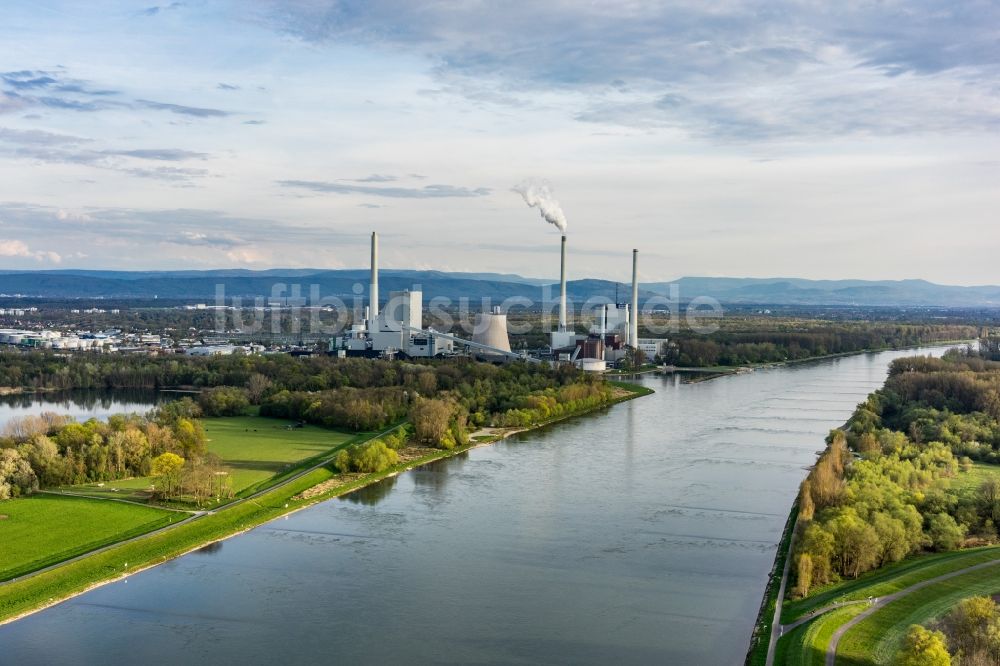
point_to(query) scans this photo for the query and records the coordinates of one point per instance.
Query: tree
(374, 456)
(190, 436)
(370, 457)
(804, 572)
(634, 358)
(969, 625)
(343, 461)
(819, 544)
(223, 401)
(431, 419)
(868, 444)
(922, 647)
(168, 466)
(892, 538)
(807, 508)
(16, 476)
(856, 543)
(135, 450)
(944, 532)
(258, 386)
(989, 498)
(43, 456)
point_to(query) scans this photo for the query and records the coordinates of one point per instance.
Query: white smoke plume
(538, 194)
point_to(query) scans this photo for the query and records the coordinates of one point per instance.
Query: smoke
(538, 194)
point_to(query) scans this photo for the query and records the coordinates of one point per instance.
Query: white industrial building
(398, 328)
(52, 340)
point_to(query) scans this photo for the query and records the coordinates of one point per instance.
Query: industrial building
(615, 330)
(397, 329)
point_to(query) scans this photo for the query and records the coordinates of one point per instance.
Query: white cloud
(247, 256)
(16, 248)
(739, 138)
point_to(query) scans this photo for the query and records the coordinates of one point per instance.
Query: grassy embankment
(41, 530)
(877, 639)
(33, 593)
(880, 634)
(757, 654)
(807, 643)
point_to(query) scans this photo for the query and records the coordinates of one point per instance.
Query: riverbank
(769, 615)
(715, 371)
(31, 594)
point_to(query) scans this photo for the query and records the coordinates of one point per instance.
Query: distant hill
(797, 291)
(201, 286)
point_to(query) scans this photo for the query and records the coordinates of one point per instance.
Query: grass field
(877, 639)
(889, 579)
(967, 484)
(255, 449)
(44, 529)
(807, 644)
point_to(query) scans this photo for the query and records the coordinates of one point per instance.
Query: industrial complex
(393, 328)
(397, 329)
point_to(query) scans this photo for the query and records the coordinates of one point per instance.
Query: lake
(642, 534)
(81, 404)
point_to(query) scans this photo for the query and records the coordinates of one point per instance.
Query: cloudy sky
(809, 139)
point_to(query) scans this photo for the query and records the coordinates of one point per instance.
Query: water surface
(643, 534)
(81, 404)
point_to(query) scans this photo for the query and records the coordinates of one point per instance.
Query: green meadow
(43, 529)
(256, 451)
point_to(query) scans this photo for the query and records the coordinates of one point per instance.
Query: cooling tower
(491, 330)
(633, 321)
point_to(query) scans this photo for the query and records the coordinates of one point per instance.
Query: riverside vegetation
(913, 474)
(190, 453)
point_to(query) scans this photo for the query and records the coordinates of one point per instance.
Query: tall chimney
(633, 314)
(562, 287)
(373, 288)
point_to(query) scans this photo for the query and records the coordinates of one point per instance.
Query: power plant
(397, 328)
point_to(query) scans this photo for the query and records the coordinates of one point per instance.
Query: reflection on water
(641, 534)
(211, 548)
(370, 495)
(81, 404)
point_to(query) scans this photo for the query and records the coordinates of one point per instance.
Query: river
(643, 534)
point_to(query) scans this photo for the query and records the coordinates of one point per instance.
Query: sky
(800, 139)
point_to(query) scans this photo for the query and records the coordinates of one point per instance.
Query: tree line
(885, 488)
(443, 402)
(733, 348)
(50, 450)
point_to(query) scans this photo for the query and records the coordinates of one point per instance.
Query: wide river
(643, 534)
